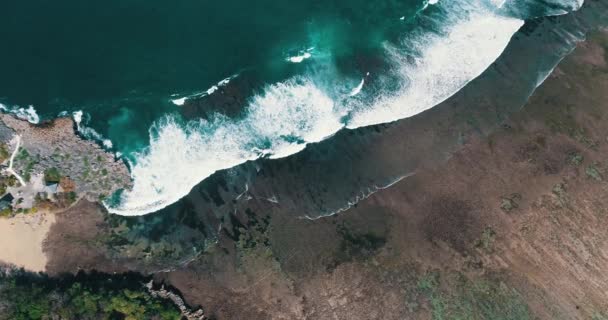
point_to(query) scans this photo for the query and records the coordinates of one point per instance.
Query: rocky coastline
(49, 166)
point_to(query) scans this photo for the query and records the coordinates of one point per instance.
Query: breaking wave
(89, 132)
(459, 40)
(29, 114)
(181, 100)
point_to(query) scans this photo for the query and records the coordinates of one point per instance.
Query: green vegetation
(52, 175)
(462, 298)
(84, 296)
(72, 196)
(85, 174)
(575, 158)
(593, 172)
(23, 154)
(27, 172)
(12, 181)
(6, 212)
(4, 154)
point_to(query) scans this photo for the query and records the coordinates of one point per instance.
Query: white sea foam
(287, 116)
(499, 3)
(446, 64)
(429, 2)
(299, 58)
(28, 114)
(88, 132)
(303, 55)
(212, 89)
(278, 123)
(179, 101)
(357, 89)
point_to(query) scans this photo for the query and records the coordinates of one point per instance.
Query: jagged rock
(197, 314)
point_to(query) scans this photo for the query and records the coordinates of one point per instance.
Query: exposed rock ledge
(56, 164)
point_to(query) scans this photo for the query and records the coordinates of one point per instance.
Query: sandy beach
(21, 239)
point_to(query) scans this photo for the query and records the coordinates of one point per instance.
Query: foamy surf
(29, 114)
(303, 55)
(431, 65)
(180, 101)
(279, 122)
(88, 132)
(445, 65)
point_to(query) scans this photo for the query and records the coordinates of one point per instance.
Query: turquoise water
(320, 67)
(120, 61)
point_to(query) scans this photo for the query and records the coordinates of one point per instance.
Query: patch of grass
(27, 172)
(6, 212)
(52, 175)
(4, 154)
(593, 172)
(472, 299)
(574, 158)
(22, 155)
(486, 241)
(72, 197)
(428, 285)
(11, 181)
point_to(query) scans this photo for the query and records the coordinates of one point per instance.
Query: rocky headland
(49, 166)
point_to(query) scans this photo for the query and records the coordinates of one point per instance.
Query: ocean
(186, 88)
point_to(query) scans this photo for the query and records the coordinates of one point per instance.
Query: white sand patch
(21, 240)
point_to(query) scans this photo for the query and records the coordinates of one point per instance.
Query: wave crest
(459, 41)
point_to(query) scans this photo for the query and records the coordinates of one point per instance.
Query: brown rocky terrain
(512, 226)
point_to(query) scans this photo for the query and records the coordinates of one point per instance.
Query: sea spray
(29, 114)
(430, 66)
